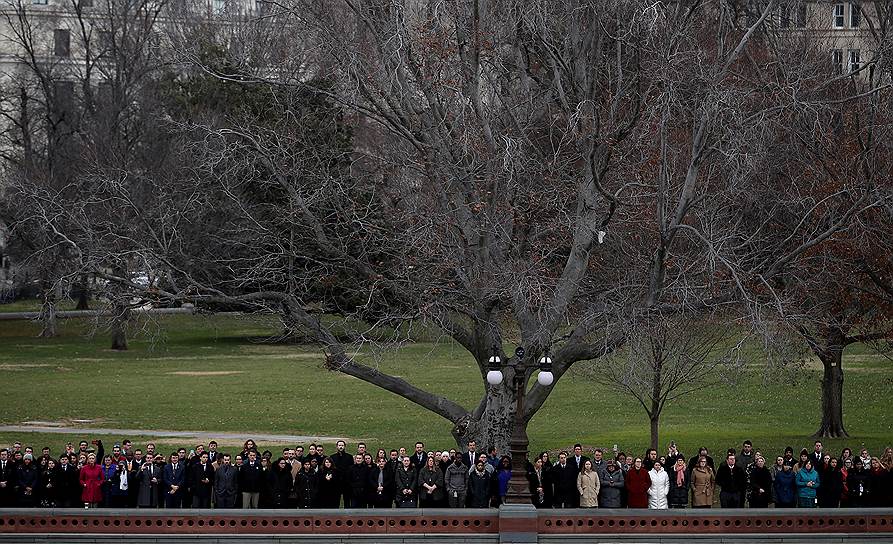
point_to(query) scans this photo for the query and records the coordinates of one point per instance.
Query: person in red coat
(637, 483)
(91, 482)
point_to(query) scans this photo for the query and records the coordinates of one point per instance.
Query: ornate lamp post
(519, 488)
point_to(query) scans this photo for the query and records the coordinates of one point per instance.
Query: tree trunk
(494, 425)
(48, 315)
(83, 295)
(655, 426)
(832, 398)
(119, 327)
(831, 355)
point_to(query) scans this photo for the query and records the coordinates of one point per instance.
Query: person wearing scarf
(679, 480)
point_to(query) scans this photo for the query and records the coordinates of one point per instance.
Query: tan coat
(703, 480)
(588, 486)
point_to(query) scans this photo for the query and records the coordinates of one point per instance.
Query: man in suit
(576, 462)
(817, 456)
(419, 457)
(174, 482)
(7, 480)
(212, 451)
(150, 480)
(564, 478)
(226, 483)
(68, 486)
(250, 481)
(470, 457)
(732, 479)
(201, 482)
(343, 462)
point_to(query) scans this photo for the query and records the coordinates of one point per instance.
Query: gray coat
(226, 486)
(612, 487)
(456, 478)
(148, 491)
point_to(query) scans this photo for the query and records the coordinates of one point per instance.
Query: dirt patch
(206, 372)
(23, 366)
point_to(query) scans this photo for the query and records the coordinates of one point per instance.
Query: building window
(62, 42)
(801, 15)
(855, 15)
(838, 19)
(837, 61)
(854, 60)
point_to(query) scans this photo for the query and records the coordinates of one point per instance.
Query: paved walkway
(201, 436)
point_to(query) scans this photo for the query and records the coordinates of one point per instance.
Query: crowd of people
(205, 477)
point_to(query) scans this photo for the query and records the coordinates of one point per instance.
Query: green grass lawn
(276, 388)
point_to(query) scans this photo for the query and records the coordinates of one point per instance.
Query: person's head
(875, 463)
(651, 454)
(419, 447)
(587, 465)
(637, 463)
(848, 463)
(82, 445)
(833, 462)
(817, 447)
(267, 454)
(299, 451)
(702, 461)
(250, 444)
(621, 458)
(761, 462)
(138, 454)
(181, 453)
(730, 459)
(610, 465)
(789, 452)
(203, 458)
(91, 459)
(826, 458)
(537, 463)
(45, 451)
(63, 461)
(445, 456)
(289, 454)
(671, 448)
(479, 466)
(703, 451)
(381, 454)
(358, 459)
(658, 466)
(598, 455)
(747, 447)
(27, 459)
(787, 467)
(307, 465)
(265, 462)
(226, 459)
(380, 462)
(779, 461)
(578, 450)
(406, 463)
(150, 449)
(482, 457)
(505, 462)
(545, 456)
(429, 463)
(212, 446)
(122, 465)
(199, 448)
(393, 455)
(116, 449)
(367, 458)
(858, 464)
(562, 458)
(126, 444)
(680, 461)
(361, 448)
(339, 446)
(175, 457)
(458, 461)
(107, 460)
(402, 451)
(804, 455)
(238, 460)
(492, 451)
(252, 457)
(327, 463)
(320, 450)
(808, 464)
(472, 445)
(281, 463)
(4, 455)
(846, 453)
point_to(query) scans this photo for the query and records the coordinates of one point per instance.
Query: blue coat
(174, 477)
(784, 487)
(804, 476)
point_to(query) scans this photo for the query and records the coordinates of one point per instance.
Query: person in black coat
(406, 485)
(536, 480)
(306, 485)
(342, 462)
(677, 497)
(7, 480)
(858, 485)
(27, 478)
(733, 481)
(174, 487)
(564, 481)
(48, 486)
(380, 485)
(68, 492)
(280, 482)
(251, 481)
(829, 493)
(479, 486)
(329, 489)
(357, 480)
(201, 481)
(760, 485)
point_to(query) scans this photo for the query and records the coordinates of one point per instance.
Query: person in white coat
(660, 486)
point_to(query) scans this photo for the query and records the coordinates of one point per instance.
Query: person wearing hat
(26, 481)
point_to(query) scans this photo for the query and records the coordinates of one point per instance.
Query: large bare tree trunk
(832, 385)
(832, 398)
(83, 294)
(119, 327)
(493, 425)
